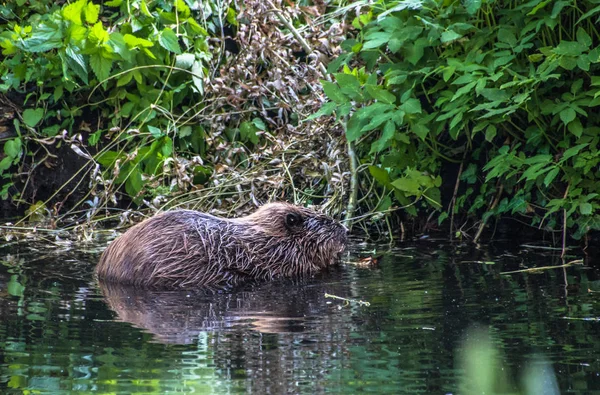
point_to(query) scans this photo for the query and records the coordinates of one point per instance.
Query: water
(442, 319)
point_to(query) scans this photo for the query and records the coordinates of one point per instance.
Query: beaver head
(311, 235)
(185, 248)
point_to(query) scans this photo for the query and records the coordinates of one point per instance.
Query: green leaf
(144, 8)
(232, 17)
(412, 106)
(137, 75)
(551, 176)
(377, 39)
(448, 72)
(507, 36)
(490, 133)
(14, 287)
(155, 132)
(45, 37)
(349, 85)
(569, 62)
(414, 52)
(94, 137)
(376, 121)
(388, 133)
(100, 65)
(569, 48)
(108, 158)
(381, 175)
(185, 131)
(259, 123)
(575, 127)
(408, 185)
(76, 62)
(534, 171)
(197, 76)
(51, 131)
(585, 208)
(119, 46)
(540, 5)
(77, 34)
(583, 37)
(58, 93)
(442, 217)
(380, 94)
(134, 183)
(124, 79)
(541, 158)
(420, 130)
(333, 92)
(433, 197)
(185, 60)
(583, 63)
(573, 151)
(463, 90)
(91, 11)
(166, 148)
(248, 132)
(395, 43)
(98, 35)
(588, 14)
(136, 42)
(12, 148)
(72, 12)
(344, 110)
(32, 117)
(326, 109)
(472, 6)
(455, 121)
(449, 36)
(5, 163)
(567, 115)
(168, 40)
(195, 27)
(558, 7)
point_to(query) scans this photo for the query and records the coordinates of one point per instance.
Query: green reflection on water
(60, 333)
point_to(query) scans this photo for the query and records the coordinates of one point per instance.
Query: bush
(162, 99)
(503, 91)
(130, 64)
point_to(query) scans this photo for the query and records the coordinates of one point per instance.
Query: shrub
(505, 91)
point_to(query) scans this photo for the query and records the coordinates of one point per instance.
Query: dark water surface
(61, 333)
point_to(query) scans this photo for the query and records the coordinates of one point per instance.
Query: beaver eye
(293, 220)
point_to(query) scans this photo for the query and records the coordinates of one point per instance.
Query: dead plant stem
(296, 35)
(454, 194)
(492, 206)
(564, 230)
(351, 207)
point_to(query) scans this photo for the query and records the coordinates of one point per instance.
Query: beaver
(186, 248)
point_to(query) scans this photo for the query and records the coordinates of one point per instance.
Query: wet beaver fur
(185, 248)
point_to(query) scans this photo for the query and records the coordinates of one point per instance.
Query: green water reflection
(442, 319)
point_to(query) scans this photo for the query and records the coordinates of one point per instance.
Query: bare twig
(348, 301)
(492, 206)
(536, 269)
(564, 232)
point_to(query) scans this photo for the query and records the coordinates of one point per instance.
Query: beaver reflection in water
(185, 248)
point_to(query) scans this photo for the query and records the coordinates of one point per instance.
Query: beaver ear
(293, 220)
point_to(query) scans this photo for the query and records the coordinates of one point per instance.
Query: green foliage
(136, 66)
(508, 88)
